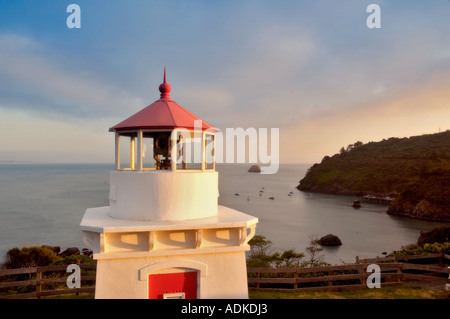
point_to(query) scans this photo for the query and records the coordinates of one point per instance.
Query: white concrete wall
(163, 195)
(221, 276)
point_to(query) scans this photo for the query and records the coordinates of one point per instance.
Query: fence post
(257, 276)
(77, 293)
(296, 276)
(38, 282)
(400, 272)
(330, 273)
(361, 271)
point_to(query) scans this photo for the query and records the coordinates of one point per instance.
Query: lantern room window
(156, 150)
(148, 159)
(189, 150)
(210, 149)
(126, 151)
(152, 150)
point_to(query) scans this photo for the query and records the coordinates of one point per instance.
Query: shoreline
(361, 197)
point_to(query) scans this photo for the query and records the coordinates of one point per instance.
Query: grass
(395, 292)
(70, 296)
(398, 292)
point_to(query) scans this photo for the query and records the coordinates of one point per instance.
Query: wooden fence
(352, 276)
(38, 280)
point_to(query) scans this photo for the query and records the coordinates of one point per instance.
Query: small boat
(356, 204)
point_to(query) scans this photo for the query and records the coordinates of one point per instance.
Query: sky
(313, 69)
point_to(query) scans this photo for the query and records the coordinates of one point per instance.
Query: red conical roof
(162, 114)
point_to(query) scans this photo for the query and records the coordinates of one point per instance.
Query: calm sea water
(44, 204)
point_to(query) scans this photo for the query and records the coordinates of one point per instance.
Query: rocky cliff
(428, 198)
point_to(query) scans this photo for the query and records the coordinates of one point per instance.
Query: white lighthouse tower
(164, 234)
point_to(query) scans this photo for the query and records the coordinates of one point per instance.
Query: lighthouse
(164, 235)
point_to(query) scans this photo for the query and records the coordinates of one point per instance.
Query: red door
(174, 285)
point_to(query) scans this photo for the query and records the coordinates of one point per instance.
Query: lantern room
(165, 165)
(164, 136)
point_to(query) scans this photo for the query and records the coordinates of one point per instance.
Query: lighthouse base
(212, 276)
(202, 258)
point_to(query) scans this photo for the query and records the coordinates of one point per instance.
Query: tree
(325, 158)
(358, 144)
(29, 257)
(289, 258)
(313, 250)
(259, 245)
(261, 254)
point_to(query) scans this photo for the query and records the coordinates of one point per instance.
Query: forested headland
(415, 171)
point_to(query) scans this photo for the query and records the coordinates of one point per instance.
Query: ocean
(43, 204)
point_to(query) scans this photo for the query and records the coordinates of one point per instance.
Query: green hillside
(396, 167)
(379, 168)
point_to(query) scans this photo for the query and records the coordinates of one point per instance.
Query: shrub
(423, 250)
(29, 257)
(261, 254)
(74, 259)
(436, 235)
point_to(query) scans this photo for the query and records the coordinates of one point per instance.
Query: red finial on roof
(162, 114)
(165, 88)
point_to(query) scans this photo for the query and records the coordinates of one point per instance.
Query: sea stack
(330, 240)
(254, 169)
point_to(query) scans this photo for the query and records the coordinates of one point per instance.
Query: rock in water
(356, 204)
(255, 169)
(330, 240)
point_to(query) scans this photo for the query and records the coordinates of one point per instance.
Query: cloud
(257, 84)
(422, 108)
(31, 138)
(34, 82)
(312, 69)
